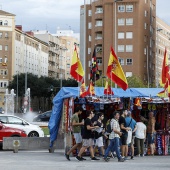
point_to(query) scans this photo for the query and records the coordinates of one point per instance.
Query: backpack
(108, 127)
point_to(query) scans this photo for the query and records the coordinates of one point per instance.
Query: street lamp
(157, 52)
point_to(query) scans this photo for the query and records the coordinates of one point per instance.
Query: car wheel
(33, 134)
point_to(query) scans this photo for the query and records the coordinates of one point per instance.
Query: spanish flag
(76, 69)
(115, 72)
(91, 90)
(83, 92)
(165, 68)
(107, 89)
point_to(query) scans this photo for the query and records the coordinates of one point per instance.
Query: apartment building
(162, 42)
(69, 39)
(129, 27)
(31, 54)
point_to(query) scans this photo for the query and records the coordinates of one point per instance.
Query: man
(130, 122)
(151, 132)
(87, 137)
(114, 138)
(124, 130)
(140, 137)
(76, 127)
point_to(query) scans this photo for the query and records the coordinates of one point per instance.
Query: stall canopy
(67, 92)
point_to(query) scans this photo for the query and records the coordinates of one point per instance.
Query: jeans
(113, 146)
(140, 146)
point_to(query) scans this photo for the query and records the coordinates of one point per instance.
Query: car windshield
(3, 119)
(14, 120)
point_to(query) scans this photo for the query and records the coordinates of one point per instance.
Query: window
(129, 8)
(68, 65)
(121, 35)
(0, 34)
(89, 25)
(99, 23)
(1, 23)
(6, 47)
(121, 21)
(121, 48)
(99, 10)
(89, 38)
(89, 50)
(121, 8)
(121, 61)
(129, 35)
(129, 61)
(0, 60)
(146, 13)
(5, 22)
(145, 26)
(129, 21)
(128, 74)
(89, 12)
(99, 36)
(99, 61)
(129, 48)
(3, 119)
(98, 49)
(14, 120)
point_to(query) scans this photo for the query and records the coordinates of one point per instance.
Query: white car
(16, 122)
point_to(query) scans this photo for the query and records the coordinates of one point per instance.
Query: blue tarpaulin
(67, 92)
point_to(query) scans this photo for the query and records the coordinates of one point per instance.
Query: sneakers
(94, 159)
(106, 159)
(67, 157)
(121, 160)
(83, 159)
(126, 158)
(132, 158)
(78, 158)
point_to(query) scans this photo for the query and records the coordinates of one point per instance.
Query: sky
(52, 14)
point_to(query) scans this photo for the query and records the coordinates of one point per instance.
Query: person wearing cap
(130, 122)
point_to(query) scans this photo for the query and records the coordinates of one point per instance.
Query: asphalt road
(43, 160)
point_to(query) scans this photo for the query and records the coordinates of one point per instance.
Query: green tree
(135, 82)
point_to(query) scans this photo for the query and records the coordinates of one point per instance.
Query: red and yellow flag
(83, 92)
(76, 69)
(107, 89)
(115, 72)
(91, 90)
(165, 68)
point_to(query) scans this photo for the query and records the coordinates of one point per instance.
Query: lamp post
(157, 53)
(116, 30)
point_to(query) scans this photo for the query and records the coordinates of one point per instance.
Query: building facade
(129, 27)
(31, 54)
(162, 42)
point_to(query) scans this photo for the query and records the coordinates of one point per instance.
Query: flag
(107, 89)
(115, 72)
(165, 68)
(76, 69)
(83, 91)
(91, 91)
(94, 73)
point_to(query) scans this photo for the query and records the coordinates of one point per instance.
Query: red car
(10, 132)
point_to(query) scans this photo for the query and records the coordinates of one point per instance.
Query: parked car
(16, 122)
(10, 132)
(43, 117)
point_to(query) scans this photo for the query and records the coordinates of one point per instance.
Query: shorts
(150, 138)
(88, 142)
(123, 139)
(99, 142)
(77, 137)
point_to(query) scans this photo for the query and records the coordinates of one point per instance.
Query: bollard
(16, 144)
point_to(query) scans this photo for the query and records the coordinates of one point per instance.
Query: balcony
(98, 15)
(98, 28)
(98, 40)
(97, 2)
(51, 68)
(99, 54)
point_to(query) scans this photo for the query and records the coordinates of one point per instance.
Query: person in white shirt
(140, 135)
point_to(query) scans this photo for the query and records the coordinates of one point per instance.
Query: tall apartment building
(162, 41)
(129, 27)
(31, 54)
(69, 39)
(54, 52)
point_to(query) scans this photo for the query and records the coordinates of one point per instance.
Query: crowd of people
(112, 139)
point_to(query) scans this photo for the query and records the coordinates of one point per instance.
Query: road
(43, 160)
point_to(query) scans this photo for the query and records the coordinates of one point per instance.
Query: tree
(102, 81)
(135, 82)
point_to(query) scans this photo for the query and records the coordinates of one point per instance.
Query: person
(130, 122)
(87, 137)
(140, 137)
(114, 138)
(100, 133)
(124, 130)
(76, 127)
(151, 132)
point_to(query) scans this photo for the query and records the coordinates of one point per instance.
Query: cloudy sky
(51, 14)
